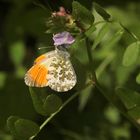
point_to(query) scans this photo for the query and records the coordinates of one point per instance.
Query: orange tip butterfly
(53, 69)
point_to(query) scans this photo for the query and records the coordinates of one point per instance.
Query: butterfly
(53, 69)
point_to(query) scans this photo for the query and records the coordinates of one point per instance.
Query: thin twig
(91, 64)
(97, 85)
(54, 114)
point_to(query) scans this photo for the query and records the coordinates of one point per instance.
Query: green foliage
(52, 103)
(90, 31)
(26, 128)
(102, 32)
(82, 15)
(79, 59)
(122, 132)
(131, 54)
(2, 79)
(100, 43)
(138, 78)
(45, 105)
(78, 66)
(84, 97)
(17, 52)
(11, 125)
(130, 98)
(37, 101)
(114, 39)
(56, 25)
(21, 128)
(79, 51)
(20, 71)
(112, 115)
(135, 114)
(101, 11)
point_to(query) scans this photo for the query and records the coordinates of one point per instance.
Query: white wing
(61, 76)
(52, 69)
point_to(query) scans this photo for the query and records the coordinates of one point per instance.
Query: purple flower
(63, 38)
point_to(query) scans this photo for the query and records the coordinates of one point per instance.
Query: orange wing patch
(39, 59)
(37, 76)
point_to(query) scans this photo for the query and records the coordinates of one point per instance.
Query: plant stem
(91, 64)
(54, 114)
(121, 109)
(104, 64)
(96, 23)
(64, 104)
(128, 31)
(97, 85)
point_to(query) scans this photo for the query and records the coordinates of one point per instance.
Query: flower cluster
(63, 38)
(61, 12)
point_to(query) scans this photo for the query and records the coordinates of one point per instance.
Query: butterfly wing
(52, 69)
(61, 76)
(37, 74)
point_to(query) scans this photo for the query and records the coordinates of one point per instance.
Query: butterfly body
(53, 69)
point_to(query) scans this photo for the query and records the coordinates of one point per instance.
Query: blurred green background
(90, 117)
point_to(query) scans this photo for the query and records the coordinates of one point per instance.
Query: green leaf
(22, 129)
(114, 39)
(52, 103)
(82, 15)
(102, 32)
(37, 101)
(90, 31)
(20, 71)
(84, 96)
(129, 32)
(107, 53)
(121, 132)
(101, 11)
(135, 114)
(44, 104)
(81, 71)
(112, 114)
(129, 98)
(11, 125)
(55, 25)
(101, 68)
(79, 48)
(3, 76)
(131, 54)
(17, 52)
(79, 60)
(26, 128)
(138, 78)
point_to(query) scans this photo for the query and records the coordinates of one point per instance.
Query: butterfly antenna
(48, 47)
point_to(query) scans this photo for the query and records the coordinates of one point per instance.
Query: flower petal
(63, 38)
